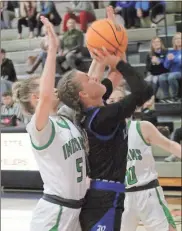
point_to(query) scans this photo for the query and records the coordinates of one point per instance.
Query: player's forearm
(175, 149)
(96, 70)
(133, 78)
(48, 76)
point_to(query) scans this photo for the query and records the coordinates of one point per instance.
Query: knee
(172, 77)
(163, 78)
(69, 56)
(19, 22)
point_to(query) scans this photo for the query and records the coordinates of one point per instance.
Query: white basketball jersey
(140, 161)
(61, 161)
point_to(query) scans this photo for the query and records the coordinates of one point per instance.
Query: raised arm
(47, 80)
(154, 137)
(114, 113)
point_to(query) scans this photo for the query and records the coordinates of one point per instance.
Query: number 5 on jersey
(79, 168)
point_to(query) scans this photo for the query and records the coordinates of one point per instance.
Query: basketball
(104, 33)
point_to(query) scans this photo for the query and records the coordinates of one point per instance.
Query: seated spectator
(155, 66)
(143, 12)
(35, 61)
(9, 108)
(49, 11)
(82, 12)
(7, 68)
(128, 12)
(6, 86)
(71, 46)
(98, 4)
(27, 18)
(8, 12)
(174, 64)
(177, 137)
(157, 11)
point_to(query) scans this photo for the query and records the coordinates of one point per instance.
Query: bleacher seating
(139, 43)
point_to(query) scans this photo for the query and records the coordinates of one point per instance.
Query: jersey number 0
(131, 176)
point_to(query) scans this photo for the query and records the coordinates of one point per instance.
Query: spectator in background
(174, 64)
(128, 12)
(6, 86)
(35, 61)
(157, 11)
(7, 68)
(9, 108)
(27, 17)
(8, 12)
(143, 12)
(98, 4)
(49, 11)
(71, 46)
(82, 12)
(177, 137)
(155, 66)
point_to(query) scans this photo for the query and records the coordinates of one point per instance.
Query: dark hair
(3, 51)
(7, 93)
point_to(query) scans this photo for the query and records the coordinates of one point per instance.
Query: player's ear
(83, 94)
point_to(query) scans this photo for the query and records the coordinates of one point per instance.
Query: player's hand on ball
(105, 58)
(52, 37)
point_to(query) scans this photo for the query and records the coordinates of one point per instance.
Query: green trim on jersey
(129, 123)
(140, 133)
(49, 141)
(166, 211)
(56, 226)
(63, 123)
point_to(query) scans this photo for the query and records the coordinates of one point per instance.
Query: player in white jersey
(144, 197)
(58, 148)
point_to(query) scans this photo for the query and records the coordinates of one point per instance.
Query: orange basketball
(104, 33)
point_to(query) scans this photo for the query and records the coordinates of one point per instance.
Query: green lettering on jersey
(78, 147)
(64, 151)
(72, 146)
(81, 141)
(138, 154)
(134, 154)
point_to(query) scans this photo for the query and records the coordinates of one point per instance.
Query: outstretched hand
(111, 16)
(52, 37)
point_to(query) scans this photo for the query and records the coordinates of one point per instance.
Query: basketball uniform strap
(69, 203)
(152, 184)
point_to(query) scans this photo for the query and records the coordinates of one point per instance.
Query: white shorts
(52, 217)
(148, 206)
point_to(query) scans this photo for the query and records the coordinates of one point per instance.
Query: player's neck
(94, 103)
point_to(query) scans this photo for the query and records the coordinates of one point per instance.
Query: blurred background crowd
(20, 24)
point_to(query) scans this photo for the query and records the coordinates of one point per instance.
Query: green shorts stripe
(166, 211)
(56, 226)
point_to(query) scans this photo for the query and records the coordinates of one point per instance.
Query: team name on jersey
(73, 146)
(134, 154)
